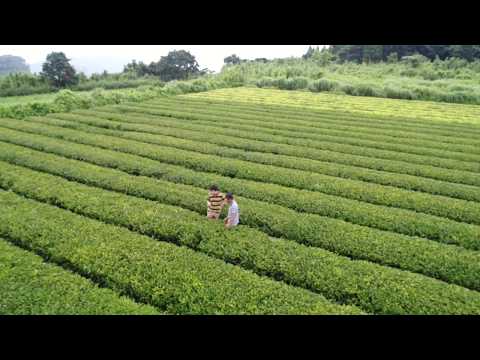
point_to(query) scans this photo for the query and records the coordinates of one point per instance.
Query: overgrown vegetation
(67, 100)
(454, 79)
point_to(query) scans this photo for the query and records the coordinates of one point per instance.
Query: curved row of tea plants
(172, 278)
(366, 121)
(320, 145)
(251, 151)
(418, 255)
(440, 132)
(454, 209)
(29, 286)
(349, 137)
(319, 270)
(401, 110)
(397, 220)
(265, 101)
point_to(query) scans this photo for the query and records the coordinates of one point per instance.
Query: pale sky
(112, 57)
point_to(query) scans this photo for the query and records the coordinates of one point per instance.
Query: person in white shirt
(233, 216)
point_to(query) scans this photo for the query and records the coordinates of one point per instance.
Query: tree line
(58, 73)
(377, 53)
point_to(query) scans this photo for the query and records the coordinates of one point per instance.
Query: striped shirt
(215, 201)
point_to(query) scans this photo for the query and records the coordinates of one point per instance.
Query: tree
(177, 65)
(372, 53)
(136, 69)
(232, 60)
(392, 58)
(322, 57)
(309, 53)
(348, 52)
(13, 64)
(58, 71)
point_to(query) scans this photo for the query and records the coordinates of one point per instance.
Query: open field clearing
(348, 205)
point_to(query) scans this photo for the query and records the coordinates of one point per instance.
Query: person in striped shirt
(215, 202)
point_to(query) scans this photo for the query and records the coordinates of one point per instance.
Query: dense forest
(376, 53)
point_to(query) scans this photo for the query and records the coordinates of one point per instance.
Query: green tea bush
(246, 247)
(454, 209)
(425, 166)
(398, 93)
(424, 257)
(322, 85)
(53, 290)
(406, 222)
(172, 278)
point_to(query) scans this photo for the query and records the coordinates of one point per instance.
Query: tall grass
(451, 80)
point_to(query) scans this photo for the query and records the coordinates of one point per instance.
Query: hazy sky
(112, 57)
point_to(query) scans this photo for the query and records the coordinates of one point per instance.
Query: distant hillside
(12, 64)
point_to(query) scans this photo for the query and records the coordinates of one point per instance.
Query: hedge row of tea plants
(283, 260)
(396, 110)
(454, 209)
(30, 286)
(249, 150)
(341, 116)
(350, 136)
(319, 145)
(392, 219)
(397, 166)
(176, 279)
(417, 255)
(331, 120)
(277, 125)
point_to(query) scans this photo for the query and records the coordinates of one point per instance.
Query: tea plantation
(349, 206)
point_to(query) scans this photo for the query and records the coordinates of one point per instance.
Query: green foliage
(177, 65)
(373, 208)
(454, 209)
(246, 247)
(58, 71)
(367, 53)
(67, 100)
(30, 286)
(279, 221)
(322, 85)
(232, 60)
(404, 78)
(430, 167)
(171, 278)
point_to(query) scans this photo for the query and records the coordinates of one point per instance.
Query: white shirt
(233, 214)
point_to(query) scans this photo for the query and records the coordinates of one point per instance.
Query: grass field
(14, 100)
(348, 205)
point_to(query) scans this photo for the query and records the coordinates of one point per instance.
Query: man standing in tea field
(215, 203)
(233, 216)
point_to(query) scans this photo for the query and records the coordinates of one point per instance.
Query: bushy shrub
(322, 85)
(348, 89)
(265, 82)
(429, 74)
(397, 93)
(409, 73)
(66, 100)
(367, 90)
